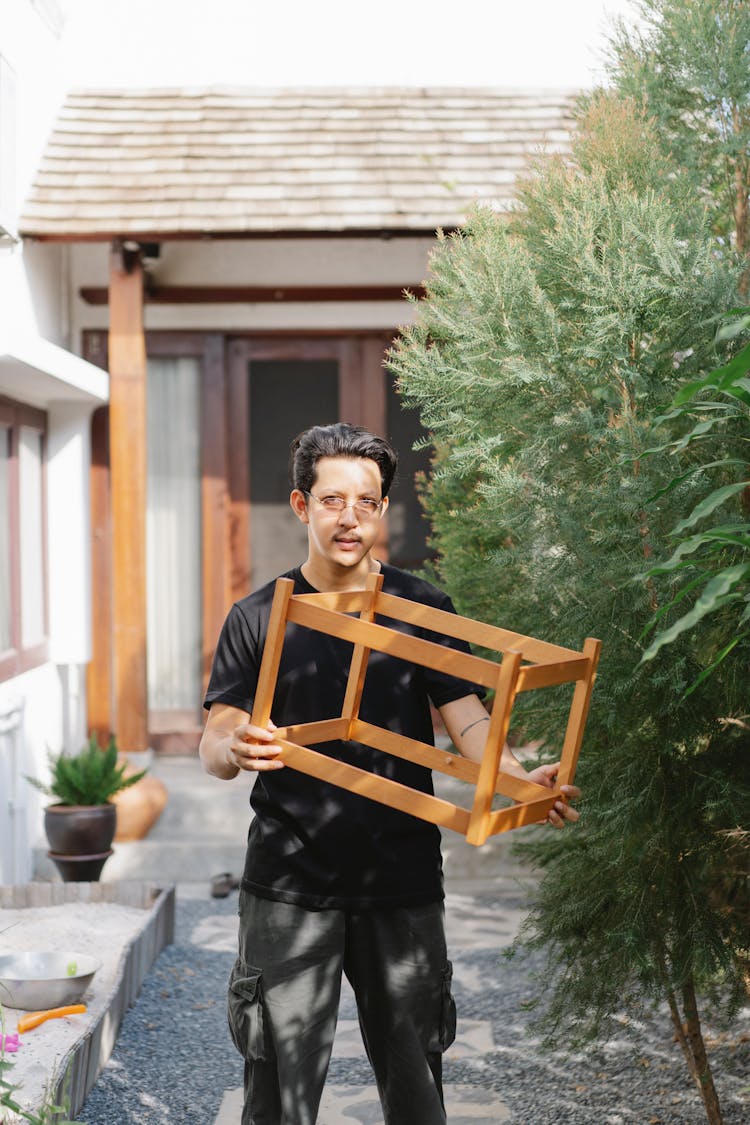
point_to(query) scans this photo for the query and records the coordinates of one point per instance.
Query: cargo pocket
(447, 1026)
(245, 1010)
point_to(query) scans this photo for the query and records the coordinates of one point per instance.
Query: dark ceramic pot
(80, 838)
(80, 868)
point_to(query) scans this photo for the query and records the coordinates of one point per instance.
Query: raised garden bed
(126, 925)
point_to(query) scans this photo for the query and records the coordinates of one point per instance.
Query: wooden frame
(527, 664)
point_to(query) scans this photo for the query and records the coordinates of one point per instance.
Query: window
(23, 540)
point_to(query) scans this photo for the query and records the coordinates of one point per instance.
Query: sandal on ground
(221, 885)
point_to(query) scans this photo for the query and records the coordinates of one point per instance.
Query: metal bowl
(33, 981)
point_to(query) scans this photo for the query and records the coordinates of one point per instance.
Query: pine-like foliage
(91, 777)
(546, 346)
(688, 63)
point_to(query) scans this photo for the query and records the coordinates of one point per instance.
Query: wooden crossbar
(466, 629)
(441, 760)
(414, 649)
(380, 789)
(558, 665)
(527, 664)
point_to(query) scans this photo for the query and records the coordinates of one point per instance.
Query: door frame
(225, 477)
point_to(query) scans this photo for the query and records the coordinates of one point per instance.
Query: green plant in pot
(81, 824)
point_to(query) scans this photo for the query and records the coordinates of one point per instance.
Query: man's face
(342, 538)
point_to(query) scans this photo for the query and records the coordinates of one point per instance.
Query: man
(333, 881)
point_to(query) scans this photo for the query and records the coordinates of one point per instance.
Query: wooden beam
(127, 442)
(258, 294)
(202, 235)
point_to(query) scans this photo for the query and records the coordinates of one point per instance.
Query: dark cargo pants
(284, 997)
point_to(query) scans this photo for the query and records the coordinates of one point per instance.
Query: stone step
(175, 861)
(203, 830)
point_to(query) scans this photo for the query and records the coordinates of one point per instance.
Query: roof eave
(29, 232)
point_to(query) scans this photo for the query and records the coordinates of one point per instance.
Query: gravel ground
(174, 1060)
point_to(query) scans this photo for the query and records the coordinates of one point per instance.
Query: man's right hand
(252, 748)
(231, 743)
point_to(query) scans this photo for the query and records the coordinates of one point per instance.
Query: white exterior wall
(44, 709)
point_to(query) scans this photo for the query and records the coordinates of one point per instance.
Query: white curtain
(173, 534)
(31, 536)
(5, 624)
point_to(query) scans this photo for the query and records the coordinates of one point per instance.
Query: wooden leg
(269, 666)
(579, 710)
(358, 667)
(479, 822)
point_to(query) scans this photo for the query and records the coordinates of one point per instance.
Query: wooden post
(99, 668)
(127, 443)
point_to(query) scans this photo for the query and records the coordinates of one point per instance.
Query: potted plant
(80, 825)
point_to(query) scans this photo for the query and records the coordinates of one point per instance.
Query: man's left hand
(561, 811)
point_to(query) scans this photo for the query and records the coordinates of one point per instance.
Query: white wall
(39, 696)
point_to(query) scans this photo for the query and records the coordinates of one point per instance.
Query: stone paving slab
(359, 1105)
(473, 1039)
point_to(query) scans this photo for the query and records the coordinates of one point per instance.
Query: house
(236, 259)
(47, 395)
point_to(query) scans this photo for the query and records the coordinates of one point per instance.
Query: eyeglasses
(365, 508)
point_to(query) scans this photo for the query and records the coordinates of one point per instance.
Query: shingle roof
(253, 161)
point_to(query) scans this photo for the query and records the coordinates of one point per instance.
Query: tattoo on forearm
(484, 719)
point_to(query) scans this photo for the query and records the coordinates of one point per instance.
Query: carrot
(35, 1018)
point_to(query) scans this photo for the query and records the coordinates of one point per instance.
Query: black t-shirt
(310, 842)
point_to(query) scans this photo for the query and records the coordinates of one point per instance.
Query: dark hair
(340, 439)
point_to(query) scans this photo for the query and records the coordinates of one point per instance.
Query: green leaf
(709, 504)
(677, 560)
(687, 589)
(713, 665)
(716, 594)
(721, 377)
(697, 431)
(733, 329)
(691, 472)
